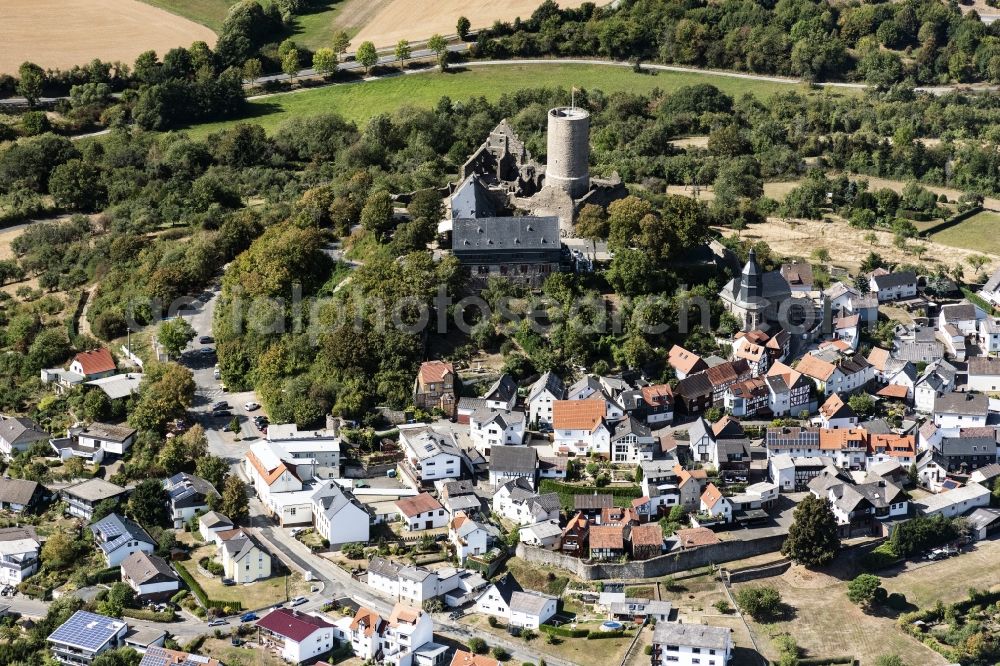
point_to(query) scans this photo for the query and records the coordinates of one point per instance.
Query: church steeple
(751, 280)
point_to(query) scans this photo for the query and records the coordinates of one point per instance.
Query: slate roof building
(753, 296)
(17, 495)
(524, 250)
(85, 636)
(17, 434)
(149, 576)
(513, 462)
(118, 537)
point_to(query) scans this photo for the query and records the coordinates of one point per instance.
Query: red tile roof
(607, 536)
(578, 414)
(693, 537)
(650, 534)
(96, 361)
(682, 360)
(463, 658)
(414, 506)
(367, 617)
(435, 371)
(894, 391)
(292, 624)
(711, 496)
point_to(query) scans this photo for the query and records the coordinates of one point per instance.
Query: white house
(84, 637)
(543, 393)
(989, 335)
(467, 536)
(984, 374)
(94, 442)
(937, 379)
(421, 512)
(490, 428)
(118, 537)
(961, 410)
(244, 558)
(270, 474)
(405, 638)
(19, 550)
(298, 637)
(17, 434)
(544, 535)
(519, 503)
(715, 504)
(631, 441)
(893, 286)
(858, 504)
(963, 316)
(502, 395)
(579, 427)
(338, 516)
(320, 448)
(211, 523)
(835, 413)
(691, 644)
(150, 577)
(529, 610)
(513, 462)
(429, 455)
(836, 374)
(592, 387)
(187, 494)
(495, 598)
(955, 502)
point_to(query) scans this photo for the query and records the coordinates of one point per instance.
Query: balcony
(18, 566)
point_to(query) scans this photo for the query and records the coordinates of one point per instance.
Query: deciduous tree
(812, 538)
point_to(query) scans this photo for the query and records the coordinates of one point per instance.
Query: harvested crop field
(417, 20)
(63, 33)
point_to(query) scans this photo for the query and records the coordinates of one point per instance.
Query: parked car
(217, 623)
(251, 406)
(249, 617)
(221, 404)
(206, 340)
(206, 351)
(221, 412)
(298, 601)
(228, 581)
(936, 554)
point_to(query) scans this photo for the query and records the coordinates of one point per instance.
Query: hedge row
(109, 575)
(597, 633)
(150, 616)
(623, 494)
(197, 590)
(825, 661)
(564, 631)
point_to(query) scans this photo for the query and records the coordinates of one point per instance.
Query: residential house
(789, 391)
(599, 389)
(695, 393)
(579, 427)
(94, 443)
(986, 476)
(917, 344)
(954, 342)
(691, 645)
(954, 502)
(657, 404)
(21, 495)
(545, 534)
(502, 394)
(490, 428)
(842, 375)
(93, 364)
(17, 434)
(799, 276)
(188, 496)
(963, 316)
(631, 441)
(701, 440)
(495, 599)
(847, 328)
(541, 396)
(244, 558)
(117, 537)
(592, 505)
(513, 462)
(645, 541)
(893, 286)
(421, 512)
(835, 413)
(522, 249)
(752, 347)
(518, 502)
(85, 636)
(715, 505)
(211, 523)
(792, 441)
(270, 475)
(530, 610)
(463, 658)
(695, 537)
(338, 516)
(467, 536)
(405, 638)
(459, 496)
(937, 379)
(731, 457)
(81, 498)
(793, 473)
(660, 486)
(607, 542)
(984, 374)
(19, 554)
(859, 507)
(429, 455)
(890, 447)
(755, 497)
(435, 387)
(988, 335)
(848, 447)
(961, 410)
(724, 375)
(991, 290)
(684, 362)
(149, 576)
(748, 399)
(575, 537)
(640, 611)
(298, 637)
(972, 449)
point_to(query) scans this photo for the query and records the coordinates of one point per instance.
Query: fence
(130, 356)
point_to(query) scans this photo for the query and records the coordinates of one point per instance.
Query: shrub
(597, 634)
(883, 556)
(477, 645)
(179, 597)
(865, 590)
(723, 607)
(353, 551)
(648, 650)
(500, 654)
(896, 601)
(493, 621)
(761, 603)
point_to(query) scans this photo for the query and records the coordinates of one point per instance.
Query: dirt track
(417, 20)
(63, 33)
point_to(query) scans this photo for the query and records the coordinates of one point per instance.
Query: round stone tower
(568, 167)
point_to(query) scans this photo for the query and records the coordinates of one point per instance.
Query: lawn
(949, 580)
(360, 101)
(224, 651)
(981, 233)
(603, 651)
(210, 13)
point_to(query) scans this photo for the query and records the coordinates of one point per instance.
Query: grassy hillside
(360, 101)
(313, 29)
